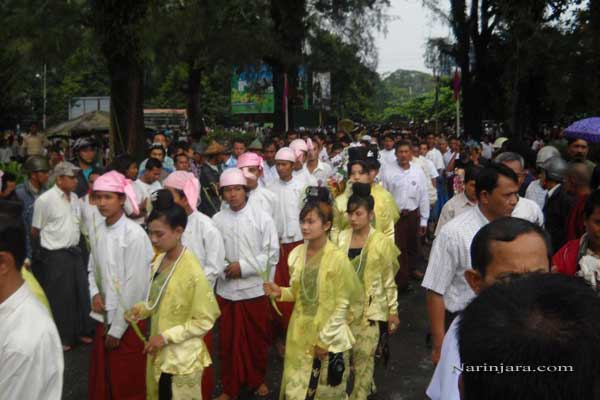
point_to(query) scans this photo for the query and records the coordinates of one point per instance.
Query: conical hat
(213, 148)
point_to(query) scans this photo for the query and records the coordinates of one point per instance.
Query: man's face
(454, 145)
(314, 153)
(162, 139)
(443, 145)
(269, 153)
(388, 143)
(108, 203)
(152, 175)
(238, 149)
(235, 196)
(431, 141)
(524, 255)
(284, 169)
(578, 150)
(592, 227)
(470, 191)
(182, 163)
(41, 177)
(158, 154)
(67, 183)
(87, 155)
(422, 150)
(403, 155)
(517, 168)
(502, 200)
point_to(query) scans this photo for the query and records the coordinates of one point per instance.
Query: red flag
(456, 84)
(285, 91)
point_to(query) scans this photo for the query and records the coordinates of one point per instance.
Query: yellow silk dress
(327, 294)
(376, 268)
(186, 312)
(386, 211)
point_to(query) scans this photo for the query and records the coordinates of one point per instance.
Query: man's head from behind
(537, 336)
(506, 247)
(12, 254)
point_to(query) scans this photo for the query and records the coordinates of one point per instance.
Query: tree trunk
(278, 110)
(195, 113)
(127, 110)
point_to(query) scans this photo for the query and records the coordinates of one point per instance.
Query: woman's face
(162, 236)
(358, 174)
(312, 226)
(359, 218)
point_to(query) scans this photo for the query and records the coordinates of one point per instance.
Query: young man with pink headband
(251, 165)
(251, 250)
(119, 274)
(301, 150)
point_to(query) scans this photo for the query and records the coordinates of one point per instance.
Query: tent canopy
(92, 122)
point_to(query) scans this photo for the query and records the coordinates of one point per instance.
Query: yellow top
(326, 291)
(35, 288)
(187, 311)
(386, 212)
(379, 265)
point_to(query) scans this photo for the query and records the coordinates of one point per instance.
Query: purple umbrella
(587, 129)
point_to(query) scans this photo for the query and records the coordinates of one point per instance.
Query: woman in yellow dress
(325, 290)
(374, 257)
(364, 169)
(181, 305)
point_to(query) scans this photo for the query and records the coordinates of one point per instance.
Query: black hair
(472, 172)
(97, 171)
(361, 197)
(489, 176)
(336, 146)
(164, 206)
(269, 142)
(571, 140)
(7, 177)
(318, 198)
(155, 134)
(153, 163)
(157, 146)
(181, 155)
(12, 238)
(388, 136)
(402, 143)
(121, 164)
(238, 140)
(182, 144)
(362, 163)
(592, 203)
(505, 229)
(547, 325)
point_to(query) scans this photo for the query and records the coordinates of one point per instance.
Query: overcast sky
(404, 45)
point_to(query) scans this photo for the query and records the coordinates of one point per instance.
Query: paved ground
(405, 378)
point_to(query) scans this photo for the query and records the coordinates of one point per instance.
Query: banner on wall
(252, 90)
(322, 90)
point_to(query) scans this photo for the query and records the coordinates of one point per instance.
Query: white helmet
(546, 153)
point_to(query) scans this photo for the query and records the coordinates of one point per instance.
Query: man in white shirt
(269, 170)
(251, 253)
(502, 248)
(118, 276)
(525, 209)
(428, 169)
(460, 202)
(320, 170)
(31, 355)
(434, 154)
(300, 148)
(252, 167)
(388, 154)
(408, 185)
(447, 290)
(144, 186)
(60, 268)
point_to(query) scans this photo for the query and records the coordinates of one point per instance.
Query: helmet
(84, 142)
(546, 153)
(36, 164)
(555, 168)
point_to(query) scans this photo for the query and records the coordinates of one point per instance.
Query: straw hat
(213, 148)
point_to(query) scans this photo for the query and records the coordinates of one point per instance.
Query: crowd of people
(301, 242)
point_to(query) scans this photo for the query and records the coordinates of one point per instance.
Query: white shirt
(89, 216)
(203, 238)
(264, 199)
(5, 155)
(31, 352)
(450, 257)
(387, 157)
(454, 207)
(250, 238)
(57, 217)
(322, 172)
(269, 174)
(447, 156)
(120, 258)
(537, 193)
(409, 189)
(444, 382)
(487, 150)
(529, 210)
(143, 191)
(430, 174)
(323, 156)
(436, 158)
(289, 200)
(305, 176)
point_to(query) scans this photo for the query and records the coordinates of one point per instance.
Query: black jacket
(210, 201)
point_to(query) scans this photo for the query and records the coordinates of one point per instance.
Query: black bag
(335, 369)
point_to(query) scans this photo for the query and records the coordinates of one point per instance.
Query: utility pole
(44, 95)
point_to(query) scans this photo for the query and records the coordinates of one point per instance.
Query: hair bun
(361, 189)
(319, 194)
(162, 199)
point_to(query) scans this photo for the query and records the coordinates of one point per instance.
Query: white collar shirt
(529, 210)
(58, 217)
(537, 193)
(250, 238)
(143, 193)
(269, 174)
(31, 352)
(387, 157)
(304, 175)
(436, 158)
(444, 382)
(265, 200)
(323, 156)
(203, 238)
(289, 203)
(120, 260)
(454, 207)
(90, 217)
(409, 189)
(450, 257)
(322, 172)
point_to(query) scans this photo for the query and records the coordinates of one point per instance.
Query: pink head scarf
(115, 182)
(187, 183)
(285, 154)
(299, 146)
(249, 160)
(232, 177)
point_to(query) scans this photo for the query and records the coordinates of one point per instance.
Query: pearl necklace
(162, 288)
